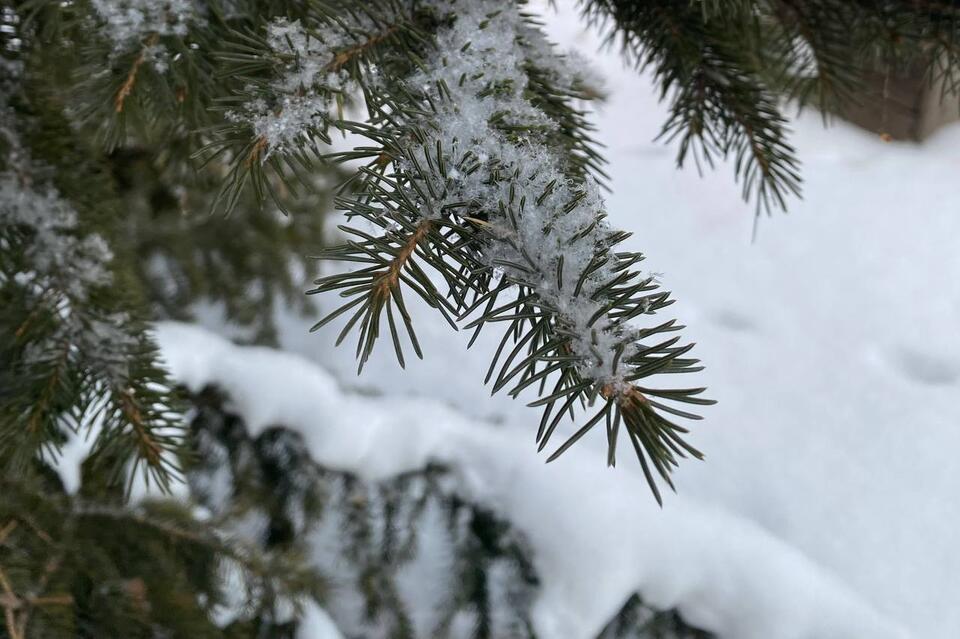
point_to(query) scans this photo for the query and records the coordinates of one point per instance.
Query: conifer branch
(292, 112)
(705, 66)
(261, 145)
(487, 207)
(79, 357)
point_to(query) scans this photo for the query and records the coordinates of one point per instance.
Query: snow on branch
(297, 80)
(310, 80)
(55, 251)
(60, 265)
(484, 190)
(552, 231)
(78, 359)
(139, 26)
(300, 97)
(128, 22)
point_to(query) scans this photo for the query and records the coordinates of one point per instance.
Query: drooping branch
(470, 160)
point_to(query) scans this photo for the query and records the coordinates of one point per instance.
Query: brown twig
(39, 407)
(8, 528)
(343, 57)
(11, 603)
(149, 448)
(389, 277)
(39, 532)
(258, 147)
(127, 87)
(623, 397)
(29, 602)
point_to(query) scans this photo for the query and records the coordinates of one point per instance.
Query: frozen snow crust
(597, 533)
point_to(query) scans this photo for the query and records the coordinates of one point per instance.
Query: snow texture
(54, 252)
(549, 229)
(597, 533)
(73, 453)
(127, 22)
(304, 91)
(64, 267)
(64, 264)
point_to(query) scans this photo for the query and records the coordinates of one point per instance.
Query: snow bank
(598, 535)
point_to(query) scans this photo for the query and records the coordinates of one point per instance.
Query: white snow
(305, 89)
(315, 623)
(597, 533)
(126, 22)
(72, 454)
(64, 268)
(54, 250)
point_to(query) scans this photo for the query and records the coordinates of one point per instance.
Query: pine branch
(479, 190)
(143, 560)
(293, 82)
(471, 199)
(79, 359)
(707, 65)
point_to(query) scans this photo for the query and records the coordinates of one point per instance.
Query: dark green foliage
(77, 351)
(71, 567)
(182, 255)
(140, 211)
(389, 40)
(637, 621)
(707, 64)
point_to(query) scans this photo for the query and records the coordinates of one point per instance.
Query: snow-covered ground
(831, 344)
(598, 536)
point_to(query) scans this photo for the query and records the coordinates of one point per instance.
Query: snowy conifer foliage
(76, 357)
(483, 183)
